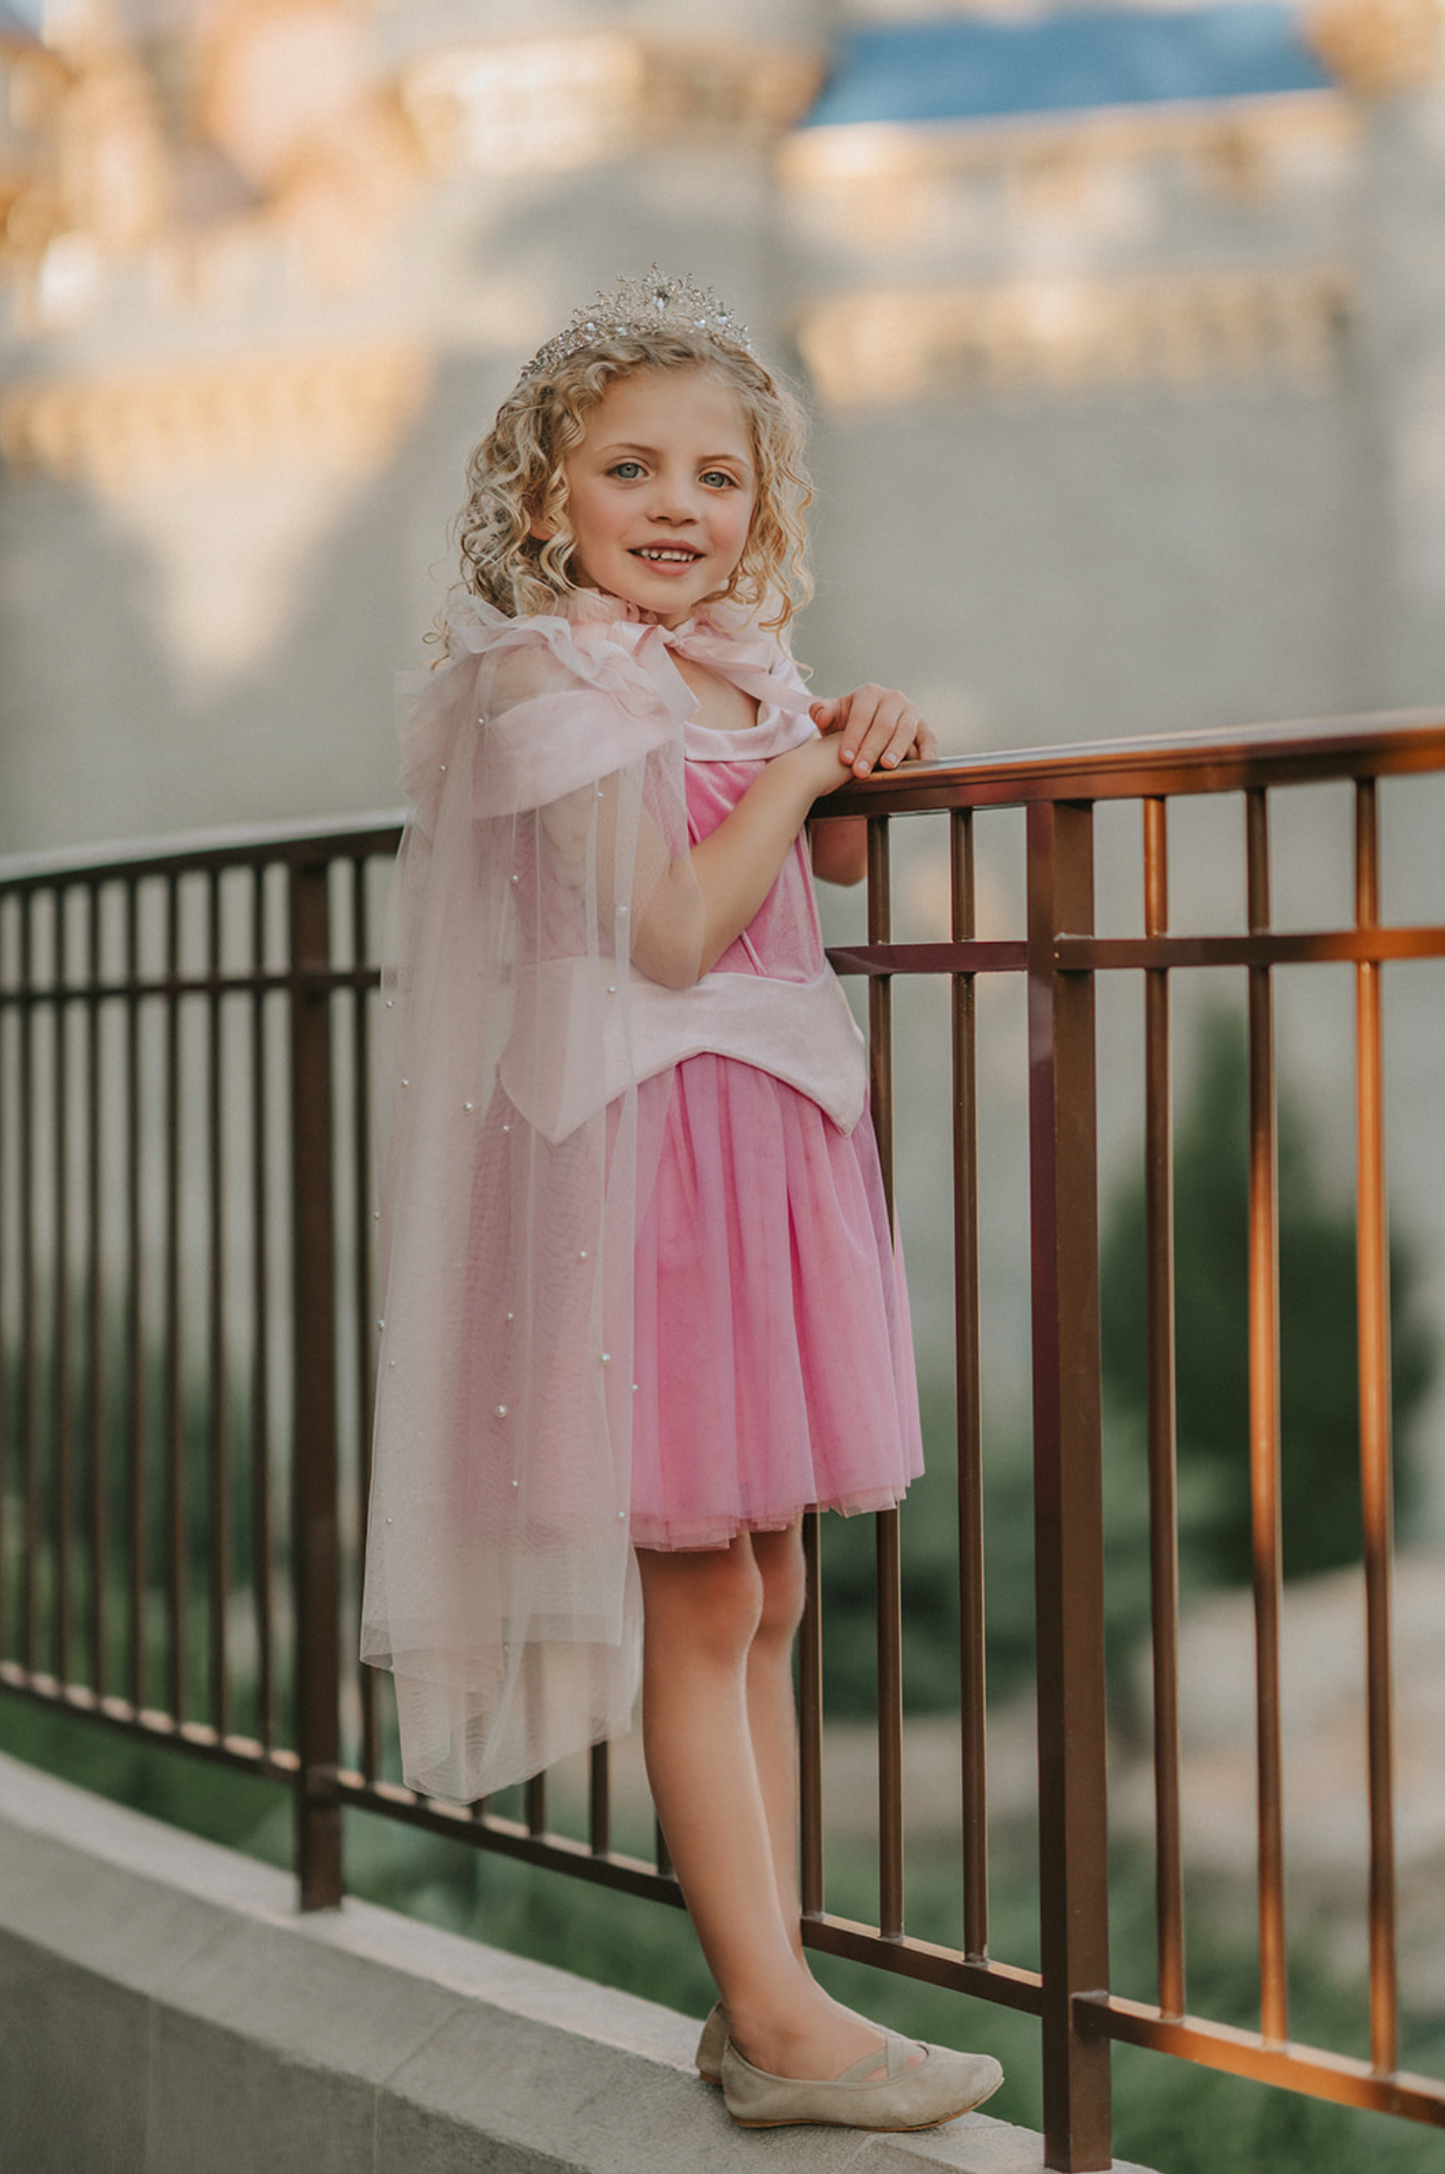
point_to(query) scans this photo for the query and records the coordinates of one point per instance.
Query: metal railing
(186, 1349)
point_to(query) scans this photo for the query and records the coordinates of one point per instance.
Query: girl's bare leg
(719, 1792)
(772, 1710)
(773, 1716)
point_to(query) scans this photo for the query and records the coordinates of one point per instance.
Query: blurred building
(1124, 328)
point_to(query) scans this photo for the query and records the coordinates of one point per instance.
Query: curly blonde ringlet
(516, 476)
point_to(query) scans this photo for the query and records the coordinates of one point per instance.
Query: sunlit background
(1123, 331)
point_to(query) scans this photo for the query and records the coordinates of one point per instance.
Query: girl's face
(661, 491)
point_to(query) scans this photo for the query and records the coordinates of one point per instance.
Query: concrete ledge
(165, 2010)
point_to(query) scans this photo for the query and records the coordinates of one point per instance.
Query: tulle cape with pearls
(547, 838)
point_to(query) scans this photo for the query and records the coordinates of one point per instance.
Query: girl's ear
(544, 531)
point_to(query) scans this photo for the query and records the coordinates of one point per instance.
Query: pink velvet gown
(772, 1344)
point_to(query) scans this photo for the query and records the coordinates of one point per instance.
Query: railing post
(1068, 1493)
(314, 1546)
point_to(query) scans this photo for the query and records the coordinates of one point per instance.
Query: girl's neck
(721, 707)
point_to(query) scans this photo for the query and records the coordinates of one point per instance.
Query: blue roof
(973, 67)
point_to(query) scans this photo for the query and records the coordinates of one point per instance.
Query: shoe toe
(968, 2078)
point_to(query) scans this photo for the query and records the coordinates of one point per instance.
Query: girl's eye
(626, 471)
(715, 477)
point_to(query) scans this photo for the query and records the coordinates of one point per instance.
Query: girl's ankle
(819, 2041)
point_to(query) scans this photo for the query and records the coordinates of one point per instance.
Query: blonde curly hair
(516, 477)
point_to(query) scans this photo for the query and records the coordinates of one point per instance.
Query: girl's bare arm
(708, 898)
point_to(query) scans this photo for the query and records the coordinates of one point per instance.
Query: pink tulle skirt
(772, 1350)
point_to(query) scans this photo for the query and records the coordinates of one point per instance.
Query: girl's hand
(874, 725)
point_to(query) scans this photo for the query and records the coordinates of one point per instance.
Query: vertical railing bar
(810, 1724)
(60, 1394)
(536, 1799)
(890, 1725)
(973, 1750)
(95, 1301)
(314, 1547)
(29, 1325)
(363, 1305)
(174, 1414)
(1162, 1433)
(1264, 1448)
(135, 1407)
(6, 1042)
(1068, 1489)
(260, 1329)
(220, 1463)
(1375, 1442)
(889, 1584)
(880, 1001)
(599, 1800)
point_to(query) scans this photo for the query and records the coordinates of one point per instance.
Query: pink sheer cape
(544, 765)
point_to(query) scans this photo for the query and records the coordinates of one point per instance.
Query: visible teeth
(670, 558)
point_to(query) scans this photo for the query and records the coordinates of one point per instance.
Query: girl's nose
(672, 501)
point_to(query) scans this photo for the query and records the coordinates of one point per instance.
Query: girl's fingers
(863, 738)
(876, 726)
(882, 728)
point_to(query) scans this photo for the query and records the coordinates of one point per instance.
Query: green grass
(221, 1803)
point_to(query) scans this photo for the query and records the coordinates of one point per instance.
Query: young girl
(641, 1299)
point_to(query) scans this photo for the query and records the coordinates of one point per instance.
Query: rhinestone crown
(653, 304)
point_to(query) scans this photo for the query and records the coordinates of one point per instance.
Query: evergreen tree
(1319, 1405)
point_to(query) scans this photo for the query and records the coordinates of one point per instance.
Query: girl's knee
(785, 1584)
(712, 1598)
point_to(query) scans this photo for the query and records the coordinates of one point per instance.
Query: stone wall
(163, 2010)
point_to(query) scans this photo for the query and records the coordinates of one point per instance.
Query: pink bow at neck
(743, 655)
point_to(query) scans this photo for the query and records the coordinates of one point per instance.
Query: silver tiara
(653, 304)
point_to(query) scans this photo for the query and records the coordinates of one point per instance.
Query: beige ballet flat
(941, 2087)
(710, 2045)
